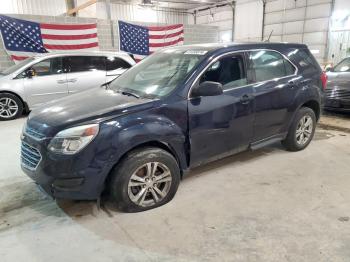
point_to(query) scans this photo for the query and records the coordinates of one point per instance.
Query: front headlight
(72, 140)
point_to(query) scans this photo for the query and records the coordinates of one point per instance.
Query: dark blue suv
(179, 108)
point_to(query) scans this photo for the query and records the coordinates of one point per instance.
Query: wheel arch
(149, 144)
(315, 106)
(25, 105)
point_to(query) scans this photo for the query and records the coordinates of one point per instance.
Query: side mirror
(207, 88)
(30, 73)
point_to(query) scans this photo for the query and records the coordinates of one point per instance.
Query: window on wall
(229, 71)
(50, 66)
(268, 65)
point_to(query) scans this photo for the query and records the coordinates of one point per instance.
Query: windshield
(157, 75)
(15, 67)
(343, 66)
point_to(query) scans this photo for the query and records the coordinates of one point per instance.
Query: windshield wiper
(127, 93)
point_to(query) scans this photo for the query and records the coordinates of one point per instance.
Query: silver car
(47, 77)
(337, 93)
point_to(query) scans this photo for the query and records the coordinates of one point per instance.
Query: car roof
(238, 46)
(79, 53)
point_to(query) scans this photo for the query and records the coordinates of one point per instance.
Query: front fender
(131, 131)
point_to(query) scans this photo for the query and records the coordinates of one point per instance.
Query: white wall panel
(296, 38)
(317, 11)
(313, 25)
(304, 21)
(293, 27)
(218, 16)
(33, 7)
(248, 21)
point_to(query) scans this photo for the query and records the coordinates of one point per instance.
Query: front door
(85, 72)
(48, 82)
(222, 125)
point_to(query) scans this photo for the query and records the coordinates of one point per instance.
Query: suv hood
(95, 105)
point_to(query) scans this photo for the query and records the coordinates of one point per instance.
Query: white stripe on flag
(154, 49)
(166, 32)
(166, 40)
(68, 32)
(70, 42)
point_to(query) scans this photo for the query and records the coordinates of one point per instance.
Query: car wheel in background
(145, 179)
(301, 131)
(11, 106)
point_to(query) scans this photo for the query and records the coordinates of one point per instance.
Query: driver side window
(46, 67)
(228, 71)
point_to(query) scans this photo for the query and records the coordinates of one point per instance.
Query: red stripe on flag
(166, 43)
(164, 28)
(19, 58)
(67, 27)
(68, 37)
(166, 36)
(70, 47)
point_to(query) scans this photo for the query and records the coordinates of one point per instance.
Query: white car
(47, 77)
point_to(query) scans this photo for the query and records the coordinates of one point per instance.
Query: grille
(33, 133)
(338, 93)
(30, 156)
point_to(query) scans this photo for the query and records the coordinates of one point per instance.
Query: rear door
(48, 83)
(85, 72)
(275, 90)
(115, 66)
(222, 125)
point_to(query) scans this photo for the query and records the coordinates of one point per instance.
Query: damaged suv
(137, 136)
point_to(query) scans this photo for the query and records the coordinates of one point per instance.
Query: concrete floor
(267, 205)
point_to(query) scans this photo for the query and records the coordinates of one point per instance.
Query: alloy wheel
(304, 130)
(149, 184)
(8, 107)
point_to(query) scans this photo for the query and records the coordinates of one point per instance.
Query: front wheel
(11, 106)
(301, 131)
(145, 179)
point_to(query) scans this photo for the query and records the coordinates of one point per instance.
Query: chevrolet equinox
(181, 107)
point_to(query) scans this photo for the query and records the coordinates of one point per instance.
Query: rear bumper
(337, 104)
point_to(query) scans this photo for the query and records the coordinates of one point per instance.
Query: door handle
(72, 80)
(245, 99)
(61, 81)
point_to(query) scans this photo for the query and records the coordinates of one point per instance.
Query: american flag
(24, 38)
(144, 40)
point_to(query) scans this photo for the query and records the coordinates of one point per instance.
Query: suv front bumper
(79, 176)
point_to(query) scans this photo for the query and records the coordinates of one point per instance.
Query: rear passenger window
(86, 63)
(268, 65)
(114, 63)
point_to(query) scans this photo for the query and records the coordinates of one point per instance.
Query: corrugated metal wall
(301, 21)
(128, 12)
(248, 21)
(218, 16)
(33, 7)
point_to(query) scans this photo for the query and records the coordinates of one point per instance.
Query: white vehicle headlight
(72, 140)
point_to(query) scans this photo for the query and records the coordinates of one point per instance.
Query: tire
(297, 142)
(11, 107)
(133, 182)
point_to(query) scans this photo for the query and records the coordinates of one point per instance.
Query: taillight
(324, 79)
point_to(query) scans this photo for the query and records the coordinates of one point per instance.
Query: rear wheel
(11, 106)
(145, 179)
(301, 131)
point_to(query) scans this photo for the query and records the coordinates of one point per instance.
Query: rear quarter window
(304, 60)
